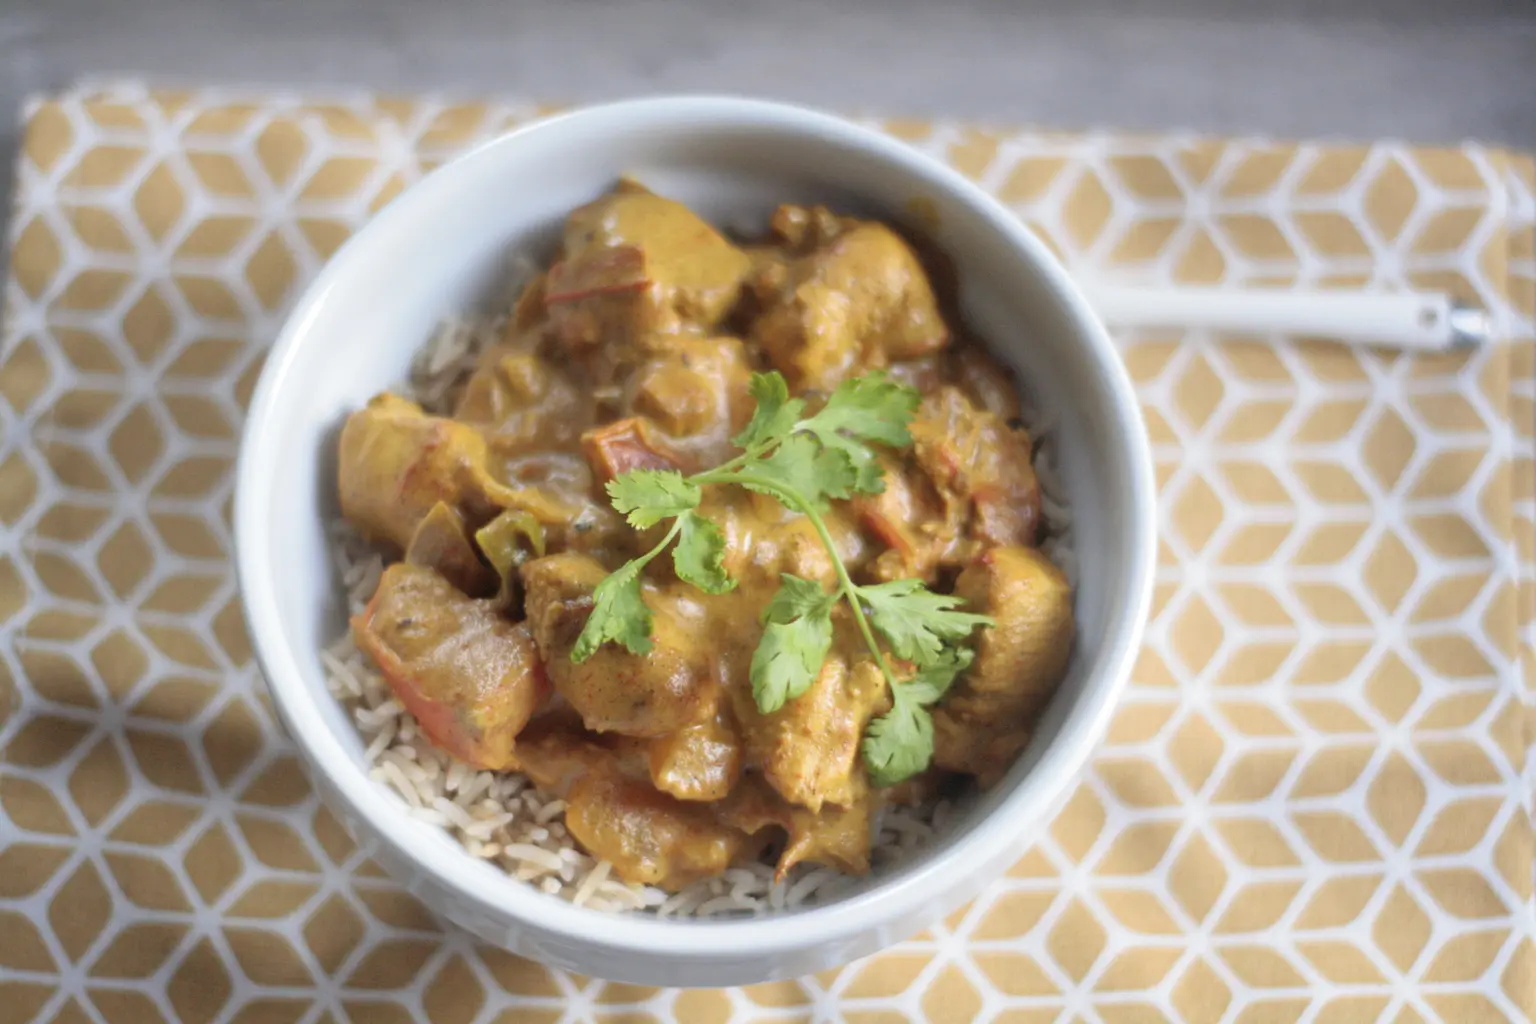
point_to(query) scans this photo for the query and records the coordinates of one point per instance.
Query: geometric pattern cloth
(1313, 805)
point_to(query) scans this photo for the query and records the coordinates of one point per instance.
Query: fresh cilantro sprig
(803, 462)
(899, 744)
(797, 634)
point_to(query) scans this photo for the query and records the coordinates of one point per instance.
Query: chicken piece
(636, 265)
(618, 447)
(1021, 659)
(801, 229)
(554, 750)
(396, 463)
(650, 838)
(764, 540)
(701, 761)
(988, 383)
(471, 678)
(838, 837)
(793, 546)
(439, 543)
(1019, 662)
(856, 304)
(528, 311)
(967, 484)
(676, 397)
(559, 594)
(914, 791)
(646, 695)
(523, 403)
(980, 463)
(696, 392)
(922, 375)
(694, 271)
(917, 527)
(809, 748)
(976, 747)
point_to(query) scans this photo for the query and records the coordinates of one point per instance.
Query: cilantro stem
(846, 588)
(732, 465)
(672, 532)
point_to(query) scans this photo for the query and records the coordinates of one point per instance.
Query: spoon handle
(1414, 321)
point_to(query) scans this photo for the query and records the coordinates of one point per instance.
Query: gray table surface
(1428, 70)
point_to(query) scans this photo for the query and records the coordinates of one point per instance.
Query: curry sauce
(635, 350)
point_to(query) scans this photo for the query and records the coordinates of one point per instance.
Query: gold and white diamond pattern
(1310, 808)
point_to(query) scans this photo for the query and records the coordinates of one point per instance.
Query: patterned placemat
(1310, 808)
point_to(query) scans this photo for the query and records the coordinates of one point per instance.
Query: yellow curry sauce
(635, 350)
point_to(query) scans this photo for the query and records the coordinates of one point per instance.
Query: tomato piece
(609, 271)
(623, 445)
(470, 676)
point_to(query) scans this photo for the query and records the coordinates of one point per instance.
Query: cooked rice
(501, 817)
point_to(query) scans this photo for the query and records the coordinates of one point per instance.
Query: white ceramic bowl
(438, 249)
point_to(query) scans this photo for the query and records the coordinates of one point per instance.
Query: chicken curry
(725, 543)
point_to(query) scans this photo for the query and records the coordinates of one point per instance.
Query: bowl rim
(880, 904)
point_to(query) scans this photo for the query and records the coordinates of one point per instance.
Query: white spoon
(1414, 321)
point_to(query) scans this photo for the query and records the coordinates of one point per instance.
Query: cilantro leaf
(836, 476)
(792, 466)
(698, 554)
(933, 681)
(776, 412)
(618, 614)
(899, 743)
(647, 496)
(796, 597)
(872, 408)
(869, 408)
(915, 621)
(795, 642)
(803, 468)
(867, 475)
